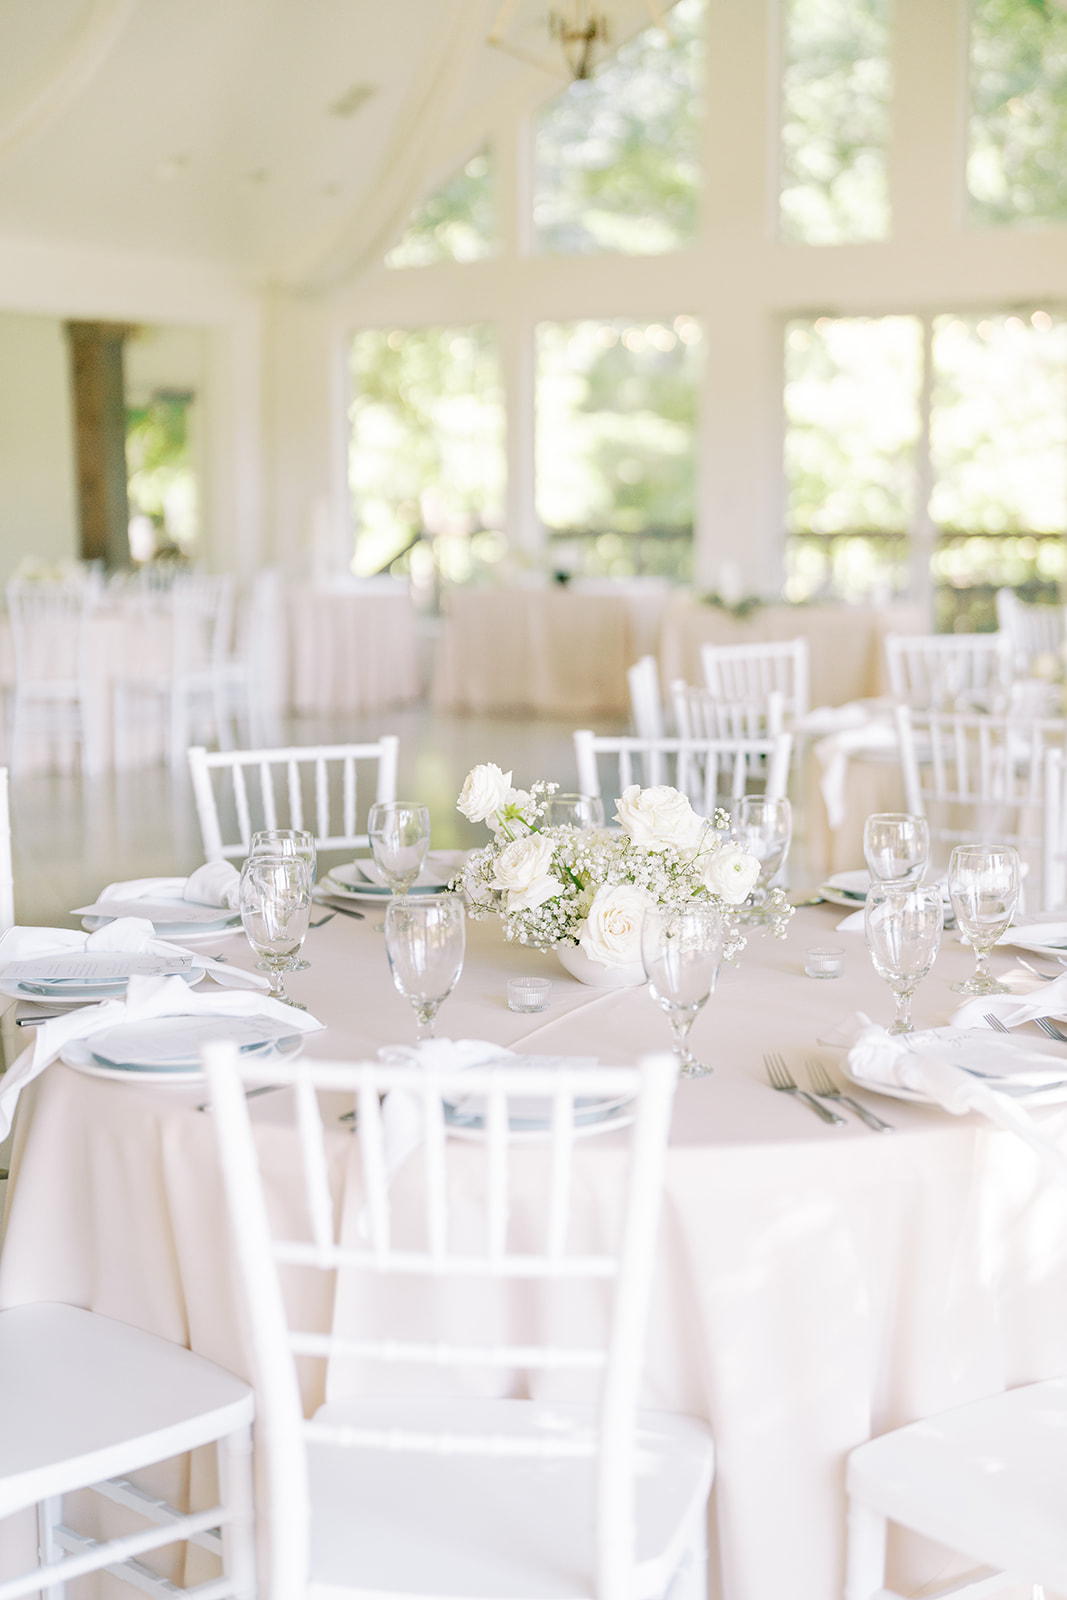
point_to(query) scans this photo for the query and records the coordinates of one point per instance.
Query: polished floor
(71, 836)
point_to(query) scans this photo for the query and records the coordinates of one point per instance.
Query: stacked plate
(169, 1047)
(171, 919)
(1041, 938)
(531, 1117)
(361, 880)
(849, 889)
(1016, 1065)
(75, 979)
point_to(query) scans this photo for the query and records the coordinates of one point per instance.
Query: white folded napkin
(958, 1068)
(1040, 1000)
(216, 883)
(403, 1123)
(1041, 931)
(145, 998)
(130, 935)
(825, 720)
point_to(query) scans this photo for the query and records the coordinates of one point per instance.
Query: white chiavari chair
(452, 1493)
(949, 671)
(1032, 630)
(749, 673)
(712, 772)
(698, 715)
(298, 786)
(986, 779)
(85, 1402)
(52, 696)
(646, 701)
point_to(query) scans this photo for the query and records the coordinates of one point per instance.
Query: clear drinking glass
(399, 833)
(425, 939)
(574, 810)
(896, 847)
(903, 925)
(983, 885)
(763, 828)
(275, 905)
(288, 842)
(681, 951)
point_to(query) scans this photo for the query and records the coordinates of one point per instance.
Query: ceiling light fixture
(579, 31)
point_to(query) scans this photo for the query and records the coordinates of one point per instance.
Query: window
(616, 406)
(997, 465)
(835, 121)
(1017, 167)
(426, 463)
(161, 478)
(616, 156)
(458, 223)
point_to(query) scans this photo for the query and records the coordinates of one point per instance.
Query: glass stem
(681, 1020)
(981, 963)
(426, 1011)
(902, 1020)
(277, 983)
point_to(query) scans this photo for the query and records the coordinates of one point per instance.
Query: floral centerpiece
(562, 886)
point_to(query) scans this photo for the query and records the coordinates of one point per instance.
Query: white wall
(38, 494)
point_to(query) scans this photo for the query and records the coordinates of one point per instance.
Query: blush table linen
(816, 1285)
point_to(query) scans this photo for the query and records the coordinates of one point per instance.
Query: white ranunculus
(521, 861)
(485, 790)
(658, 817)
(612, 931)
(731, 873)
(535, 894)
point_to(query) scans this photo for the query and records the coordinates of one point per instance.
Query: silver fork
(1046, 1025)
(782, 1079)
(823, 1085)
(1046, 977)
(323, 920)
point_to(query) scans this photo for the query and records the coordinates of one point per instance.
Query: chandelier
(569, 38)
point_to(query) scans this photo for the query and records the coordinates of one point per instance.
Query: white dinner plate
(167, 916)
(850, 889)
(171, 1043)
(77, 1054)
(57, 977)
(1054, 1094)
(596, 1117)
(1042, 938)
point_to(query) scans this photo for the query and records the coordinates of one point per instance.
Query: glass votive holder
(824, 961)
(529, 994)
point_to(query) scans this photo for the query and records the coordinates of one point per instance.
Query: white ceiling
(211, 128)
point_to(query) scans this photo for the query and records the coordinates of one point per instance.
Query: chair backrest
(949, 671)
(749, 673)
(712, 772)
(538, 1249)
(7, 875)
(202, 617)
(698, 715)
(646, 702)
(1033, 630)
(309, 799)
(989, 773)
(48, 628)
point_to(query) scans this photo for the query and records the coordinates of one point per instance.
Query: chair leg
(236, 1493)
(49, 1516)
(865, 1557)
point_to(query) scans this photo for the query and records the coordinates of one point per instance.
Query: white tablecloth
(349, 649)
(816, 1285)
(549, 652)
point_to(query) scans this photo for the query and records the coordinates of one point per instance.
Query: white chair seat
(83, 1397)
(411, 1524)
(988, 1479)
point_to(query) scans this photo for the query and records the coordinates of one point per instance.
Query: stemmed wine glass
(681, 949)
(574, 810)
(288, 842)
(983, 885)
(903, 925)
(275, 898)
(764, 829)
(399, 833)
(425, 940)
(896, 846)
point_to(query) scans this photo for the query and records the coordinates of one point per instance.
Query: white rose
(731, 873)
(657, 817)
(484, 791)
(521, 861)
(535, 894)
(612, 931)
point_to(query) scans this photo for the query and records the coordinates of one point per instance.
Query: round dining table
(816, 1285)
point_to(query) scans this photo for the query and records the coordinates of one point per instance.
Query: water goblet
(425, 940)
(574, 810)
(288, 842)
(399, 833)
(983, 885)
(896, 846)
(275, 897)
(681, 949)
(902, 924)
(764, 829)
